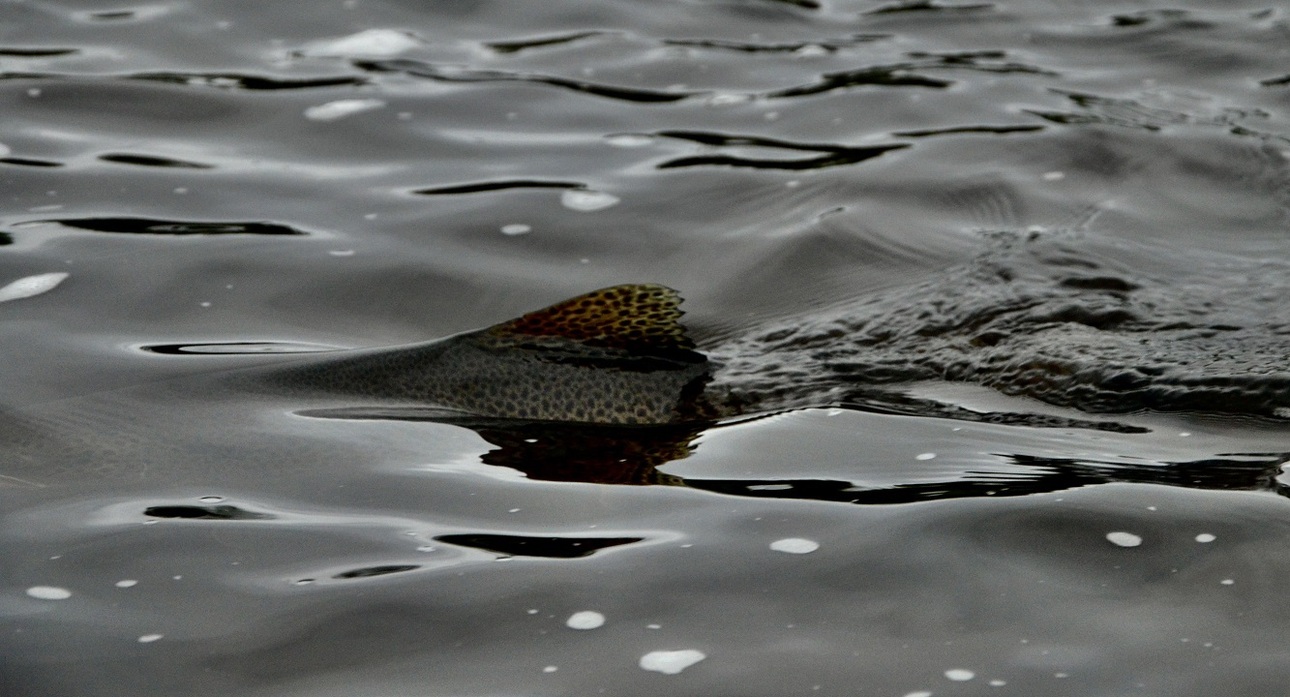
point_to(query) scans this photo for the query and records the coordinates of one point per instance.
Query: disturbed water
(993, 296)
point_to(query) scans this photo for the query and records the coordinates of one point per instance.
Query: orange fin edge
(628, 316)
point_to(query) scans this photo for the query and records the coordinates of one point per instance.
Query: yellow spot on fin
(637, 316)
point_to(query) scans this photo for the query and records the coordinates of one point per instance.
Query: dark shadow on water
(153, 226)
(216, 512)
(151, 161)
(500, 185)
(928, 6)
(250, 82)
(827, 154)
(371, 571)
(441, 73)
(518, 45)
(29, 162)
(632, 455)
(14, 52)
(534, 546)
(1255, 472)
(233, 347)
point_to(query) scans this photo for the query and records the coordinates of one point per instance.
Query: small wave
(220, 512)
(829, 155)
(153, 226)
(13, 52)
(152, 161)
(460, 74)
(553, 547)
(502, 185)
(518, 45)
(929, 6)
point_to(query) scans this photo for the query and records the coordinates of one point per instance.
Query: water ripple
(829, 155)
(153, 226)
(462, 74)
(152, 161)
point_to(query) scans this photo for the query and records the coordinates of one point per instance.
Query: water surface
(1054, 234)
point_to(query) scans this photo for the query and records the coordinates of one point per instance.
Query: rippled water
(994, 293)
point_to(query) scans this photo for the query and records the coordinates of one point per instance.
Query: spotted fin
(633, 317)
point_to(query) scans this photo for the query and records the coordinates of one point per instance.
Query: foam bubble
(587, 619)
(49, 593)
(341, 108)
(959, 674)
(1205, 537)
(795, 545)
(32, 285)
(671, 662)
(516, 229)
(1124, 539)
(587, 201)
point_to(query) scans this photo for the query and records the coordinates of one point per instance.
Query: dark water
(1053, 234)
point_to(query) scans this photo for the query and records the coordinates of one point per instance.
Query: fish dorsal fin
(636, 316)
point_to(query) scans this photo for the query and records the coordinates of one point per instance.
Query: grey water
(998, 288)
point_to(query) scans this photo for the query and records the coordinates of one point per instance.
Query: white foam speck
(587, 201)
(1205, 537)
(368, 43)
(550, 669)
(1054, 176)
(629, 140)
(795, 545)
(341, 108)
(516, 229)
(922, 693)
(671, 662)
(32, 285)
(1227, 582)
(49, 593)
(925, 456)
(998, 683)
(212, 499)
(4, 150)
(149, 638)
(341, 252)
(587, 619)
(1124, 539)
(1184, 434)
(126, 583)
(959, 674)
